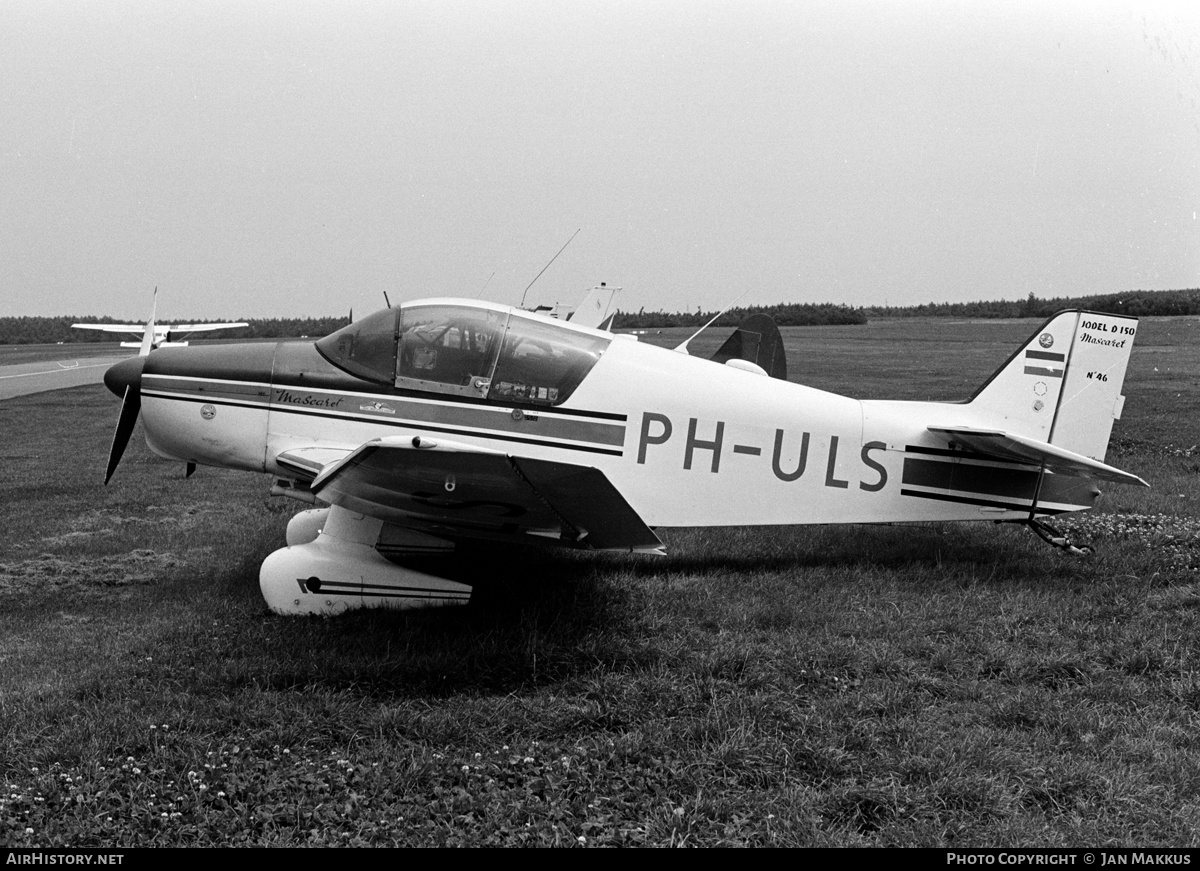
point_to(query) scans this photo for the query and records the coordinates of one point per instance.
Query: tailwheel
(1053, 537)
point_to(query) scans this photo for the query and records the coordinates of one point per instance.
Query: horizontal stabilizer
(1009, 446)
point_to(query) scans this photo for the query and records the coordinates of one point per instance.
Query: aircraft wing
(454, 490)
(197, 328)
(1009, 446)
(136, 329)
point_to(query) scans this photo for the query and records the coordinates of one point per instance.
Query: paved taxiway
(24, 378)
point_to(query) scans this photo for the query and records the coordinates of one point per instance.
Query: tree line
(53, 330)
(786, 314)
(1137, 303)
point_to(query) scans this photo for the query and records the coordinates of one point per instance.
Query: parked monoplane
(153, 335)
(446, 421)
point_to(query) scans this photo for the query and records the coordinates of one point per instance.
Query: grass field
(894, 685)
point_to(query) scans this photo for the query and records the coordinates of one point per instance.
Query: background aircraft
(151, 335)
(597, 309)
(451, 421)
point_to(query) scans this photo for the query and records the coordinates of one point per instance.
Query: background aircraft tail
(1063, 386)
(597, 309)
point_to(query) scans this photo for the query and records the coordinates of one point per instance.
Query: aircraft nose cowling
(127, 373)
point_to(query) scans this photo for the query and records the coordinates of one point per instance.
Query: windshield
(365, 348)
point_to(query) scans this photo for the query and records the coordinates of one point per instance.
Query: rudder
(1091, 396)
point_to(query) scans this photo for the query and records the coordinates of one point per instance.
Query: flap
(455, 490)
(1009, 446)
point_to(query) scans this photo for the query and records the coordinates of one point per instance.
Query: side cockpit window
(449, 349)
(542, 362)
(365, 348)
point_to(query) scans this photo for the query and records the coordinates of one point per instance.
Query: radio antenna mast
(683, 349)
(547, 266)
(485, 284)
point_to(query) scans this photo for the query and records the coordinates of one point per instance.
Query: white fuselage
(686, 441)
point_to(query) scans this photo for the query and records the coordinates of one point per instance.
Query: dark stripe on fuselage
(377, 421)
(540, 422)
(543, 422)
(1008, 483)
(426, 427)
(251, 394)
(344, 588)
(987, 503)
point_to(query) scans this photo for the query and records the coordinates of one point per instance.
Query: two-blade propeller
(125, 380)
(131, 405)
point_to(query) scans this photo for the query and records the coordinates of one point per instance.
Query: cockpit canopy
(495, 354)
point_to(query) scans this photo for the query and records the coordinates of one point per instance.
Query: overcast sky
(301, 158)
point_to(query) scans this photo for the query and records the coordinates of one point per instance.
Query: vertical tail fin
(1063, 386)
(596, 309)
(147, 343)
(758, 341)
